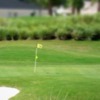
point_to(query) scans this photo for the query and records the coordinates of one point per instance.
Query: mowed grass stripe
(12, 54)
(52, 80)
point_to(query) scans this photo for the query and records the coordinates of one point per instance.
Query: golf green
(66, 70)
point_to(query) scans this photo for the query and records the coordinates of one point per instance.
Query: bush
(80, 33)
(87, 19)
(96, 34)
(24, 33)
(64, 33)
(14, 33)
(16, 36)
(47, 33)
(2, 33)
(8, 36)
(35, 34)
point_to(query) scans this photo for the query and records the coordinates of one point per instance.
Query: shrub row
(48, 28)
(78, 32)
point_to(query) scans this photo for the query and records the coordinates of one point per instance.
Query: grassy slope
(67, 70)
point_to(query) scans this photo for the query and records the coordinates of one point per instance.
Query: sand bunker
(7, 92)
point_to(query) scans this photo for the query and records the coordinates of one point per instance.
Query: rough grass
(66, 70)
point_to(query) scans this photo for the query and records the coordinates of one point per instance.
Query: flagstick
(35, 63)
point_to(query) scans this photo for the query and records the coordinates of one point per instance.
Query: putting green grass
(66, 70)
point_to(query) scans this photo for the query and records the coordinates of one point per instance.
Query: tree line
(76, 5)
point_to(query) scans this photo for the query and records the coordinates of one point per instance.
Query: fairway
(66, 70)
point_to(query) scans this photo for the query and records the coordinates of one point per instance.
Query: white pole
(35, 63)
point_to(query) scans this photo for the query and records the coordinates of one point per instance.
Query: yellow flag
(39, 46)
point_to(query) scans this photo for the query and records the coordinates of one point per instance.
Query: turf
(66, 70)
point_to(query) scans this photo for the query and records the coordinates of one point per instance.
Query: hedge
(47, 28)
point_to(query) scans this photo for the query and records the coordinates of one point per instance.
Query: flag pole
(36, 57)
(35, 63)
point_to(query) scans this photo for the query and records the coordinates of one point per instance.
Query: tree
(52, 3)
(48, 3)
(98, 5)
(77, 5)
